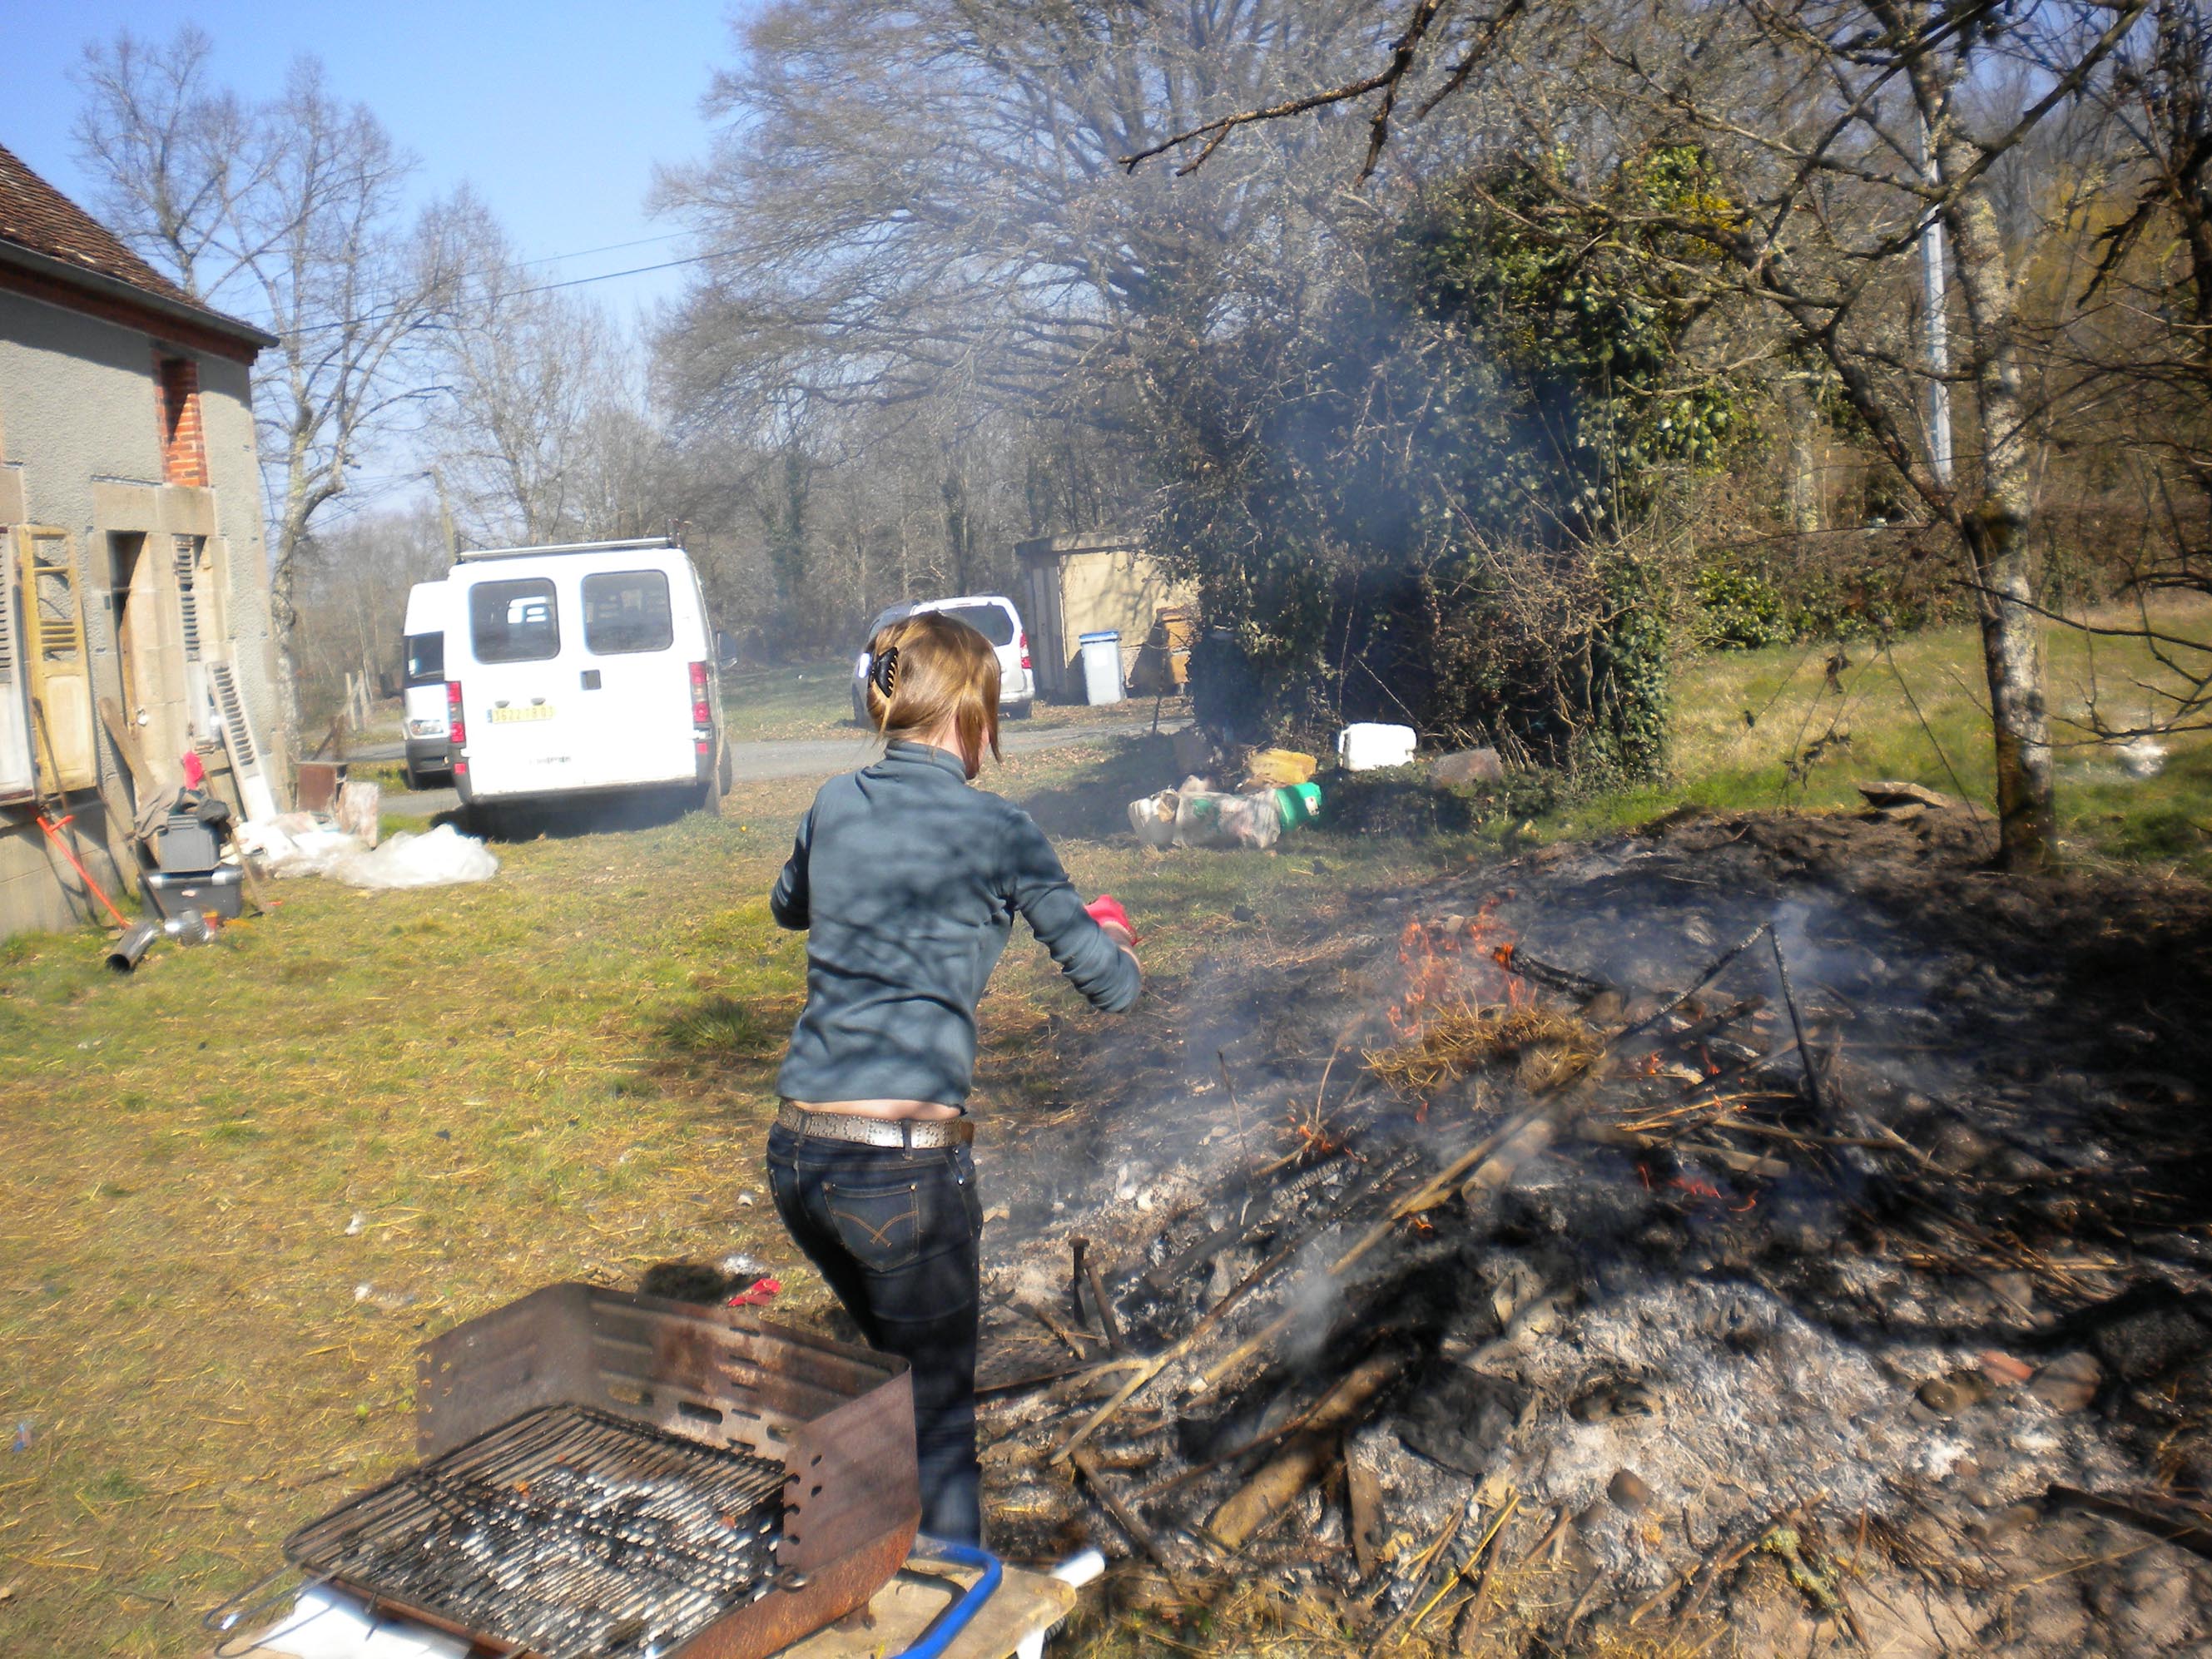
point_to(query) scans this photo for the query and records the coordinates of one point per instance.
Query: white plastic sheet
(439, 859)
(296, 845)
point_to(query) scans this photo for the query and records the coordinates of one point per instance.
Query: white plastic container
(1364, 747)
(1101, 667)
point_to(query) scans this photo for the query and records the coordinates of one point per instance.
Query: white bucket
(1101, 667)
(1364, 747)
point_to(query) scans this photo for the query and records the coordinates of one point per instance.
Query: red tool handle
(53, 829)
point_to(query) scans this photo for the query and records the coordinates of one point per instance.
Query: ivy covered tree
(1436, 501)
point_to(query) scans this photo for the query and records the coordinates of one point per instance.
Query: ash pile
(1751, 1234)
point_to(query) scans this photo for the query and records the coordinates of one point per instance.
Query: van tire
(1022, 710)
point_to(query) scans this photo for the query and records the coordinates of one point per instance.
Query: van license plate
(536, 711)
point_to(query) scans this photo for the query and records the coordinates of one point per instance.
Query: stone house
(134, 587)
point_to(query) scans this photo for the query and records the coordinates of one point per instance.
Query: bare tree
(903, 199)
(534, 393)
(2143, 341)
(172, 154)
(350, 292)
(352, 597)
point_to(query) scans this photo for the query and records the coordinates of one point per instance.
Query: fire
(1310, 1130)
(1459, 961)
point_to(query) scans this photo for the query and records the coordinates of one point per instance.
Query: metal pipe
(136, 940)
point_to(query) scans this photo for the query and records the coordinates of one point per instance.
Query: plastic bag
(443, 856)
(1207, 819)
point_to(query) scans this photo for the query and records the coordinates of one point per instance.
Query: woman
(908, 880)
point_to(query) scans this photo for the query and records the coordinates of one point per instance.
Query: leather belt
(903, 1133)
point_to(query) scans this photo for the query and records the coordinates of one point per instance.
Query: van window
(426, 658)
(627, 611)
(515, 621)
(991, 621)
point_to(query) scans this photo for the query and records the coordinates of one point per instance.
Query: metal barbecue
(610, 1476)
(568, 1533)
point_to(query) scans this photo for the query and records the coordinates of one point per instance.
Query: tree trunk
(284, 621)
(1996, 534)
(1805, 491)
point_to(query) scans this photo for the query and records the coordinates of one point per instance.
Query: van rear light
(702, 715)
(457, 730)
(1021, 639)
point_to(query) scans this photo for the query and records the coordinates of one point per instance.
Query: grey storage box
(185, 845)
(171, 893)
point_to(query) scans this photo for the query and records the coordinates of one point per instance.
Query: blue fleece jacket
(908, 878)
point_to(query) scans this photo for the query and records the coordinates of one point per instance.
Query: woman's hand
(1120, 936)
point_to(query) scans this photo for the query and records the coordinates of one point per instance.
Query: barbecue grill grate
(569, 1532)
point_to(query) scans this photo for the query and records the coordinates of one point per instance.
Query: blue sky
(555, 110)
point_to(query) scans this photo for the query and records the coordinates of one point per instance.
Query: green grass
(804, 699)
(1870, 729)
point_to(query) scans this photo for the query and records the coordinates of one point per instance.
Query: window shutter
(60, 668)
(253, 789)
(19, 778)
(199, 711)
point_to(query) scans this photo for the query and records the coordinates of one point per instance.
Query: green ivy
(1365, 497)
(1737, 611)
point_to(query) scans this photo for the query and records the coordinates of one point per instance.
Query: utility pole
(446, 518)
(1938, 339)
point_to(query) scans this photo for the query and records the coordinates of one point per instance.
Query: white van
(991, 615)
(422, 684)
(581, 669)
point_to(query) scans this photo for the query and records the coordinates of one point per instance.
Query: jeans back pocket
(879, 1222)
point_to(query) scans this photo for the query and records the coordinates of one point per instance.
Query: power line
(512, 294)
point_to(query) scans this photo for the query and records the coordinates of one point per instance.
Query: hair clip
(885, 671)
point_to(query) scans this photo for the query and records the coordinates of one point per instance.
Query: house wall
(81, 450)
(1079, 585)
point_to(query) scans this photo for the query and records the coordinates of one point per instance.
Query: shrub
(1737, 611)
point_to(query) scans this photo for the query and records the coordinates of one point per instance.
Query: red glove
(763, 1291)
(1105, 908)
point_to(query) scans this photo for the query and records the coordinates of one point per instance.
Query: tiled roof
(36, 215)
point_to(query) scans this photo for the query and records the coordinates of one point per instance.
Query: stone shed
(1077, 585)
(134, 587)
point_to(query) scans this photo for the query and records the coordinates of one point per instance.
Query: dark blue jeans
(895, 1233)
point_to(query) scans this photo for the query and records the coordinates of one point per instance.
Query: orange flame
(1461, 962)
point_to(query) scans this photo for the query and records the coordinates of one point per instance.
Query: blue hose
(954, 1619)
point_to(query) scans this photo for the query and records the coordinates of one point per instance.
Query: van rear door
(637, 638)
(516, 623)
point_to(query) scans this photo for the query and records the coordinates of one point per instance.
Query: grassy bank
(1770, 728)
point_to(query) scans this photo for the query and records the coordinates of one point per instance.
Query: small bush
(1738, 612)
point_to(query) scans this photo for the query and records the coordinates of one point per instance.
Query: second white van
(422, 684)
(581, 669)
